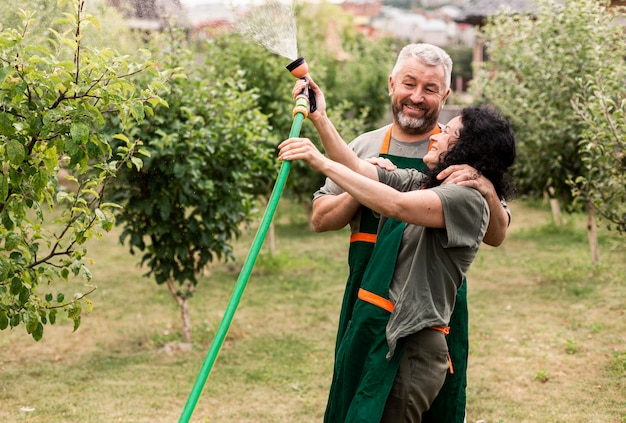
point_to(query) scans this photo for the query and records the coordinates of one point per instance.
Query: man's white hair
(429, 55)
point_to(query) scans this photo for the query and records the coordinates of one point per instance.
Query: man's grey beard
(411, 125)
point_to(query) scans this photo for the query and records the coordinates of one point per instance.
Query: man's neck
(400, 135)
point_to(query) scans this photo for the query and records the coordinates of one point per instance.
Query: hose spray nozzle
(300, 69)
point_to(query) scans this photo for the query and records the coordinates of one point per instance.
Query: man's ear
(445, 97)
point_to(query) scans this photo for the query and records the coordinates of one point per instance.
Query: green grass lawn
(547, 335)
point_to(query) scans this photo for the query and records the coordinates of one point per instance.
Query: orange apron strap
(384, 149)
(445, 330)
(377, 300)
(364, 237)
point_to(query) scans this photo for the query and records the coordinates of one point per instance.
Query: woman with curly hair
(393, 358)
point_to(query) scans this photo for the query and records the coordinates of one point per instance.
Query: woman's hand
(301, 149)
(499, 216)
(382, 163)
(467, 176)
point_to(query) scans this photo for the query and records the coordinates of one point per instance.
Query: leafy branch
(53, 109)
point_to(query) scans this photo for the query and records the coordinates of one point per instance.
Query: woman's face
(442, 142)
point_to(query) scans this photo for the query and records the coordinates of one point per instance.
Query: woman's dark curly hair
(486, 143)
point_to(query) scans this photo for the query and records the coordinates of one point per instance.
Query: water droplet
(272, 25)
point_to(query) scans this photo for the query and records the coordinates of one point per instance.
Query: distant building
(363, 11)
(210, 15)
(434, 28)
(362, 8)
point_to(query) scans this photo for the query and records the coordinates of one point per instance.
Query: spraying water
(272, 25)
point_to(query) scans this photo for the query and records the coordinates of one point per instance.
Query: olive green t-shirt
(432, 262)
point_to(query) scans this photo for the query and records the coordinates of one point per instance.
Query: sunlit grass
(547, 335)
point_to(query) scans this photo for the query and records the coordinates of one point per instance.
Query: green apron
(360, 251)
(363, 376)
(358, 256)
(449, 406)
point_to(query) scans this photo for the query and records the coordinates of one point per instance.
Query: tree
(54, 95)
(538, 67)
(601, 105)
(210, 152)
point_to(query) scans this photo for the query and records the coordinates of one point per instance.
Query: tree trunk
(183, 304)
(592, 234)
(554, 207)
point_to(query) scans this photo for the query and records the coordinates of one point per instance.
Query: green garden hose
(300, 112)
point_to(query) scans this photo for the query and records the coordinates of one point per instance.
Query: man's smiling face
(418, 92)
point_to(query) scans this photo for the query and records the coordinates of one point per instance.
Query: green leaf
(4, 320)
(4, 72)
(4, 186)
(7, 222)
(6, 125)
(93, 20)
(5, 265)
(71, 43)
(31, 322)
(76, 322)
(122, 137)
(137, 110)
(38, 332)
(24, 294)
(16, 286)
(15, 152)
(40, 180)
(137, 162)
(12, 241)
(80, 133)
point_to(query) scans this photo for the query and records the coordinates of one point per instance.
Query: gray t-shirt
(368, 145)
(432, 262)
